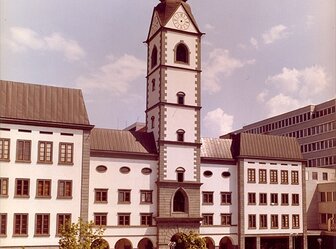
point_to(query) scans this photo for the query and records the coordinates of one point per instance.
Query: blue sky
(259, 57)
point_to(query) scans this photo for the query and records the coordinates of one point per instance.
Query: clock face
(181, 20)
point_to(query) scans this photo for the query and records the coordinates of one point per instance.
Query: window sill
(44, 162)
(65, 164)
(64, 198)
(22, 161)
(4, 160)
(43, 197)
(4, 196)
(22, 196)
(20, 235)
(41, 235)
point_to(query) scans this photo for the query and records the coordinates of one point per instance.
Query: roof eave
(123, 154)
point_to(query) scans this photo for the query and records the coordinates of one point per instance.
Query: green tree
(192, 241)
(81, 235)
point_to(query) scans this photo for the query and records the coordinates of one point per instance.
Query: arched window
(179, 202)
(182, 53)
(180, 174)
(180, 98)
(154, 57)
(153, 84)
(152, 122)
(180, 135)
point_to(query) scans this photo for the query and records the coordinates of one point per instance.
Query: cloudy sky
(259, 57)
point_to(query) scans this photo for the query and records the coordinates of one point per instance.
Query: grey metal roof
(267, 146)
(40, 103)
(216, 148)
(122, 141)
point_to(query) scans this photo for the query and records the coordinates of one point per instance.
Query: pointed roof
(42, 105)
(167, 8)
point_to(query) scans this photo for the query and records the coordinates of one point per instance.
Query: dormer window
(154, 57)
(180, 98)
(153, 85)
(180, 135)
(152, 122)
(182, 53)
(180, 174)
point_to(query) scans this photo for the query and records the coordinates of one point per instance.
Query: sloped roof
(216, 148)
(267, 146)
(166, 9)
(23, 102)
(109, 140)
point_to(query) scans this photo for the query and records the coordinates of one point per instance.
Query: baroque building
(149, 183)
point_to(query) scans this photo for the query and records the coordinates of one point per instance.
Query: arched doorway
(145, 244)
(209, 243)
(225, 243)
(123, 244)
(100, 243)
(177, 239)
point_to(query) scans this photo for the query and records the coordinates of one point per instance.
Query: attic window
(101, 168)
(146, 171)
(124, 170)
(207, 173)
(226, 174)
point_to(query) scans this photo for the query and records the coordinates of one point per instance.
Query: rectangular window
(42, 224)
(62, 221)
(101, 195)
(329, 196)
(22, 188)
(66, 153)
(226, 219)
(262, 176)
(323, 218)
(284, 199)
(263, 221)
(251, 175)
(226, 198)
(44, 152)
(64, 190)
(207, 219)
(3, 225)
(295, 221)
(23, 151)
(4, 149)
(146, 196)
(323, 197)
(274, 221)
(295, 177)
(262, 199)
(273, 176)
(295, 199)
(100, 219)
(146, 219)
(124, 196)
(4, 187)
(251, 198)
(124, 219)
(325, 176)
(285, 221)
(207, 198)
(252, 221)
(43, 188)
(274, 199)
(20, 225)
(284, 177)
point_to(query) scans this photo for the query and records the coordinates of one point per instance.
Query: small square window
(146, 196)
(207, 219)
(207, 198)
(101, 195)
(42, 224)
(226, 219)
(100, 219)
(64, 190)
(23, 151)
(22, 188)
(124, 196)
(226, 198)
(124, 219)
(146, 219)
(66, 153)
(3, 187)
(20, 225)
(43, 189)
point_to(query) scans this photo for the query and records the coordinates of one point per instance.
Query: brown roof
(267, 146)
(165, 11)
(23, 102)
(216, 148)
(109, 140)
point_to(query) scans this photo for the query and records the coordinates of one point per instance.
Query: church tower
(173, 115)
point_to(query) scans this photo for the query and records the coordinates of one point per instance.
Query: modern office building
(314, 126)
(145, 185)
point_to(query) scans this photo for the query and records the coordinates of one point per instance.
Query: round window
(146, 171)
(101, 168)
(207, 173)
(124, 170)
(226, 174)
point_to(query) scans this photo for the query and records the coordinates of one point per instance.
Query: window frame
(207, 198)
(274, 221)
(295, 199)
(146, 196)
(263, 199)
(295, 221)
(154, 57)
(101, 195)
(4, 152)
(66, 218)
(146, 219)
(23, 193)
(43, 195)
(100, 219)
(39, 231)
(295, 177)
(284, 176)
(262, 176)
(226, 198)
(285, 221)
(180, 135)
(273, 176)
(66, 154)
(124, 196)
(252, 221)
(274, 199)
(251, 176)
(263, 221)
(63, 194)
(124, 219)
(226, 219)
(4, 183)
(21, 151)
(180, 98)
(251, 198)
(23, 227)
(177, 53)
(45, 159)
(3, 224)
(207, 219)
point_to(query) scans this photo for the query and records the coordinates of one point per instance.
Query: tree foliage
(81, 235)
(192, 241)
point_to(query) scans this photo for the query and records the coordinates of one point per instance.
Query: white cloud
(116, 76)
(219, 65)
(217, 122)
(277, 32)
(293, 88)
(254, 42)
(22, 39)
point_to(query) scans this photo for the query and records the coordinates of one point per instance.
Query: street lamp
(172, 244)
(319, 240)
